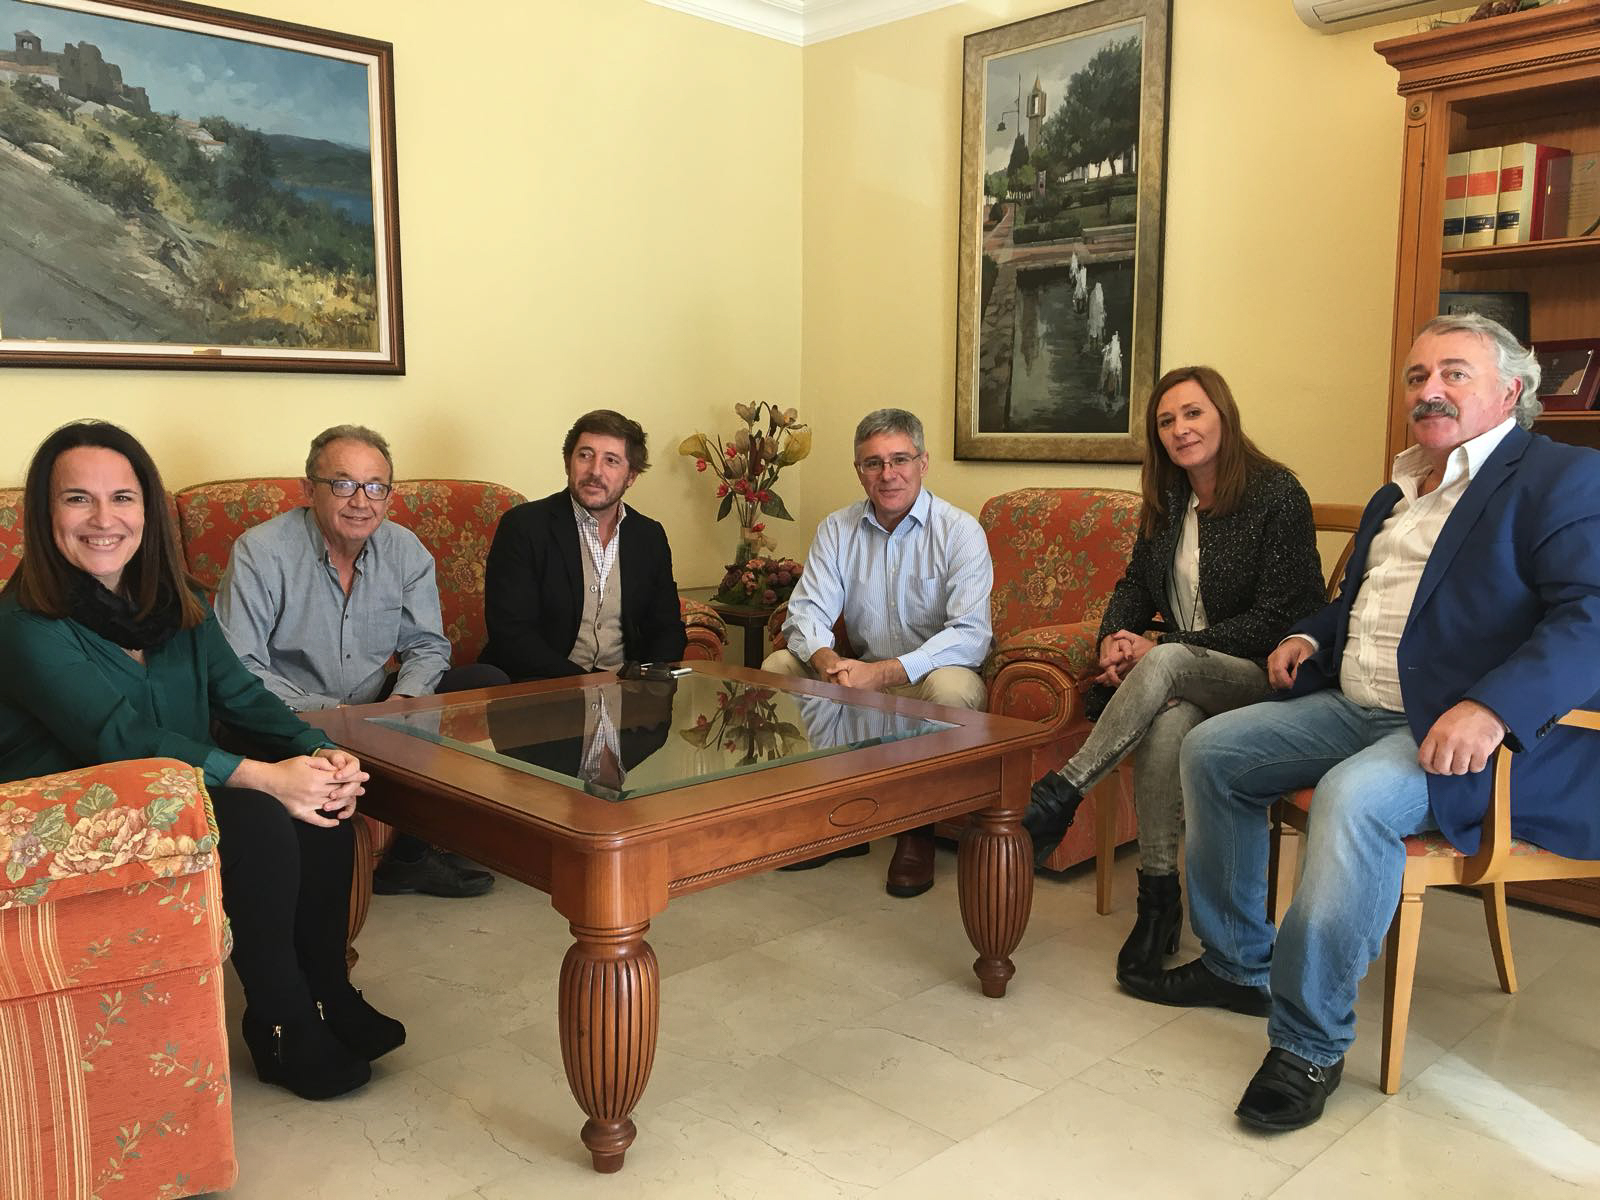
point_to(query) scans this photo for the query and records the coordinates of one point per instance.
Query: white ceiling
(802, 22)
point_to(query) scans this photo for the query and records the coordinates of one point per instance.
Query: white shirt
(603, 555)
(1369, 672)
(1183, 581)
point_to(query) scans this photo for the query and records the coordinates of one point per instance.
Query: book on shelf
(1572, 197)
(1483, 197)
(1455, 199)
(1520, 209)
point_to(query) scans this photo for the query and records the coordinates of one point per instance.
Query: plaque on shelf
(1569, 374)
(1572, 197)
(1508, 308)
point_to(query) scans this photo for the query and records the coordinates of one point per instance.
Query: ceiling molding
(803, 22)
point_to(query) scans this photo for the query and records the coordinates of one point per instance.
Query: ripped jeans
(1172, 689)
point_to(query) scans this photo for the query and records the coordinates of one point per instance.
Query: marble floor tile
(1400, 1153)
(919, 1079)
(1076, 1141)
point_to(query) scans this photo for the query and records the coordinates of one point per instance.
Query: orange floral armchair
(1058, 553)
(114, 1077)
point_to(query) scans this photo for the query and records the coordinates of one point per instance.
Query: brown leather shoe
(911, 868)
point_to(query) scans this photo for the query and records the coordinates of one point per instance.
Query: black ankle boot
(362, 1029)
(301, 1055)
(1051, 807)
(1155, 932)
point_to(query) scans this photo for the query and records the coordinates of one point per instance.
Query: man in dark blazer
(1469, 616)
(579, 581)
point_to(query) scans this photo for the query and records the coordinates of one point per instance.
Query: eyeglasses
(875, 466)
(345, 488)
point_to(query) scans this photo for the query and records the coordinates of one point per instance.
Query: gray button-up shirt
(289, 621)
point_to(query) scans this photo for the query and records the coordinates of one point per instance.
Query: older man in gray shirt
(317, 601)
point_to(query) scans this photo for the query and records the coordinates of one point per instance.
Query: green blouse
(69, 698)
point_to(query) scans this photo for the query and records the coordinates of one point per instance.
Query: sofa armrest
(103, 827)
(707, 631)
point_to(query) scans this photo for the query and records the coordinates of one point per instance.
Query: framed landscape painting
(1063, 152)
(184, 186)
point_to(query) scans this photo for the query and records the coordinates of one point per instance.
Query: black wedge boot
(362, 1029)
(1155, 932)
(300, 1054)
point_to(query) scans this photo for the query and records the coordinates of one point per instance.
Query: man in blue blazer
(578, 581)
(1469, 616)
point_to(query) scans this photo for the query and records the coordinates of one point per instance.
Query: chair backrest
(454, 518)
(1058, 553)
(1338, 518)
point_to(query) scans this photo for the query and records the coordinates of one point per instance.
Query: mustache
(1434, 408)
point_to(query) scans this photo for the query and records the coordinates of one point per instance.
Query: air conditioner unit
(1336, 16)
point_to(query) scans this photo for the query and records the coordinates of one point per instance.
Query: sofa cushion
(10, 531)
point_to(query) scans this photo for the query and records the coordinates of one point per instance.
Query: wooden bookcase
(1533, 76)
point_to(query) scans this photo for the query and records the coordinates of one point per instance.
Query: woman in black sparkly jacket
(1226, 560)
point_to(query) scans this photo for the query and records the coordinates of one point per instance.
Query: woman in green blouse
(110, 652)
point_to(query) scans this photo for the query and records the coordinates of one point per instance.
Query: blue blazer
(1508, 614)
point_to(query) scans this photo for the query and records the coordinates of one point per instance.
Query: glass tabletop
(631, 738)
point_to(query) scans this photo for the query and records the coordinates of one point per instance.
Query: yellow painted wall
(1283, 176)
(665, 215)
(613, 221)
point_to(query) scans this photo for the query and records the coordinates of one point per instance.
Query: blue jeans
(1370, 793)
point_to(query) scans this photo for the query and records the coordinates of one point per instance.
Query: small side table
(753, 621)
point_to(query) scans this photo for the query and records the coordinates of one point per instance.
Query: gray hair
(352, 433)
(1511, 360)
(891, 420)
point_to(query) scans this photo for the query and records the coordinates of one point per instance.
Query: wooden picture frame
(1569, 374)
(188, 187)
(1058, 309)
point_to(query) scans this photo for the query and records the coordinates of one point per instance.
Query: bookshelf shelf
(1532, 76)
(1528, 256)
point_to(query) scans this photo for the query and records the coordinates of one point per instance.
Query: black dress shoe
(1194, 986)
(1052, 804)
(432, 875)
(822, 860)
(1288, 1092)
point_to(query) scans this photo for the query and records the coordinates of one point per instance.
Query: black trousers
(286, 889)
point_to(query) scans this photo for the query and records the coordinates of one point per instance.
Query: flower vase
(751, 540)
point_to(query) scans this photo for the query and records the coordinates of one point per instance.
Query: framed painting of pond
(184, 186)
(1058, 311)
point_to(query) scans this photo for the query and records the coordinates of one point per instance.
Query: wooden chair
(1328, 518)
(1431, 861)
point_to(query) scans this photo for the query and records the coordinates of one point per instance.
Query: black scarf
(115, 618)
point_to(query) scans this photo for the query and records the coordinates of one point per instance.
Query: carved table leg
(609, 1015)
(995, 872)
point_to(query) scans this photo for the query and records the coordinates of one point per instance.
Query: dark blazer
(1259, 573)
(1508, 614)
(533, 591)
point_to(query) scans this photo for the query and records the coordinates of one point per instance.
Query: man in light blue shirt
(910, 574)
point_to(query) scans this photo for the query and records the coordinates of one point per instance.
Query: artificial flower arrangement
(747, 467)
(746, 722)
(758, 582)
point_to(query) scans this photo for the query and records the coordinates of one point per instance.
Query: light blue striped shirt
(919, 594)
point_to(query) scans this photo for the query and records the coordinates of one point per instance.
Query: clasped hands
(1119, 654)
(853, 672)
(318, 788)
(1461, 741)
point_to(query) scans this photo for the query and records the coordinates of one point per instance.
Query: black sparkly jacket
(1259, 573)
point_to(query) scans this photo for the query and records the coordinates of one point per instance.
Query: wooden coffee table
(674, 792)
